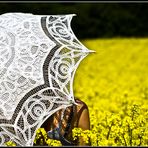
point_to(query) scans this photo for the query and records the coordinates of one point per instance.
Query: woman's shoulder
(81, 104)
(81, 111)
(80, 101)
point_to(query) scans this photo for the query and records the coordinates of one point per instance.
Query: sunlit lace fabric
(39, 55)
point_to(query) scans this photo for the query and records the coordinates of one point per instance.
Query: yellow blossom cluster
(41, 139)
(10, 143)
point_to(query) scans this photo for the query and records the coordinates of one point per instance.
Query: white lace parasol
(39, 55)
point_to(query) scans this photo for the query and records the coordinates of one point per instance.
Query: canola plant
(113, 82)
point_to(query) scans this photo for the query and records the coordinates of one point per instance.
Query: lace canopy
(39, 55)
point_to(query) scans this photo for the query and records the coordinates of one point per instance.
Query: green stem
(109, 131)
(130, 131)
(124, 140)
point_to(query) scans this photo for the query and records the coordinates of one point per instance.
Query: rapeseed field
(113, 82)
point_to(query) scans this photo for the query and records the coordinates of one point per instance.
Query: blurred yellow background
(113, 82)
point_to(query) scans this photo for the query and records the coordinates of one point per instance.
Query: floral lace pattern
(39, 55)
